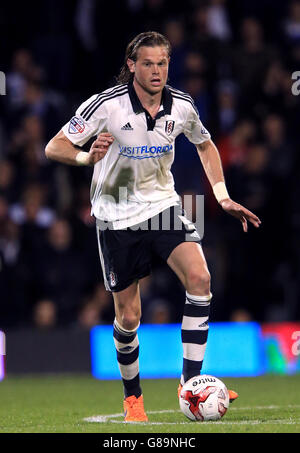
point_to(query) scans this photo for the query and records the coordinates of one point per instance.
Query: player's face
(151, 68)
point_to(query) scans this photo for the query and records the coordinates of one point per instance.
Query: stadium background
(236, 59)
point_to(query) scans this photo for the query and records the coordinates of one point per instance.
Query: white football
(204, 398)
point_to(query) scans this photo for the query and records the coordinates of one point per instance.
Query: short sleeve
(82, 126)
(194, 129)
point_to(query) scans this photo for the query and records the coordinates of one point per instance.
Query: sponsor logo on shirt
(76, 125)
(145, 152)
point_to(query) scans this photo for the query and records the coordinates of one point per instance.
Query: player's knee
(130, 320)
(198, 282)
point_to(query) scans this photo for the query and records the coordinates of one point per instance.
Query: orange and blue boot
(134, 409)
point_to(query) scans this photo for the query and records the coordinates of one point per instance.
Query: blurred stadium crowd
(236, 59)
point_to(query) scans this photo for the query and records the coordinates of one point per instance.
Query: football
(204, 398)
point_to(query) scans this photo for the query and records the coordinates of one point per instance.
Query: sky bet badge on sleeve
(76, 125)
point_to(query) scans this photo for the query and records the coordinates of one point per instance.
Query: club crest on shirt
(169, 127)
(76, 125)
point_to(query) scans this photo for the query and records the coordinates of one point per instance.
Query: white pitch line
(288, 406)
(110, 418)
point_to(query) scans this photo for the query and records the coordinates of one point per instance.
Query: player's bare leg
(128, 306)
(128, 314)
(188, 262)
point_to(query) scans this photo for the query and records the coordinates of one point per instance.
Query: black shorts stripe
(95, 107)
(196, 311)
(128, 359)
(194, 336)
(100, 95)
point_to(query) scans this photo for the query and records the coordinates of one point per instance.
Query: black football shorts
(126, 254)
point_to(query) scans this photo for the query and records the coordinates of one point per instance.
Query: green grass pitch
(63, 404)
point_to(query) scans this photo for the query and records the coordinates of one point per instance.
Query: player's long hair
(148, 39)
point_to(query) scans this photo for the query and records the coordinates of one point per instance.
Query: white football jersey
(133, 182)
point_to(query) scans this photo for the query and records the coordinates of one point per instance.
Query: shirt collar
(166, 100)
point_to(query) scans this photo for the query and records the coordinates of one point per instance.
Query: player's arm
(61, 149)
(212, 165)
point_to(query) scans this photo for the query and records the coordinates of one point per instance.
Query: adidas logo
(127, 127)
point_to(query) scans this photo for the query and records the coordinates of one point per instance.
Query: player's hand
(241, 213)
(100, 147)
